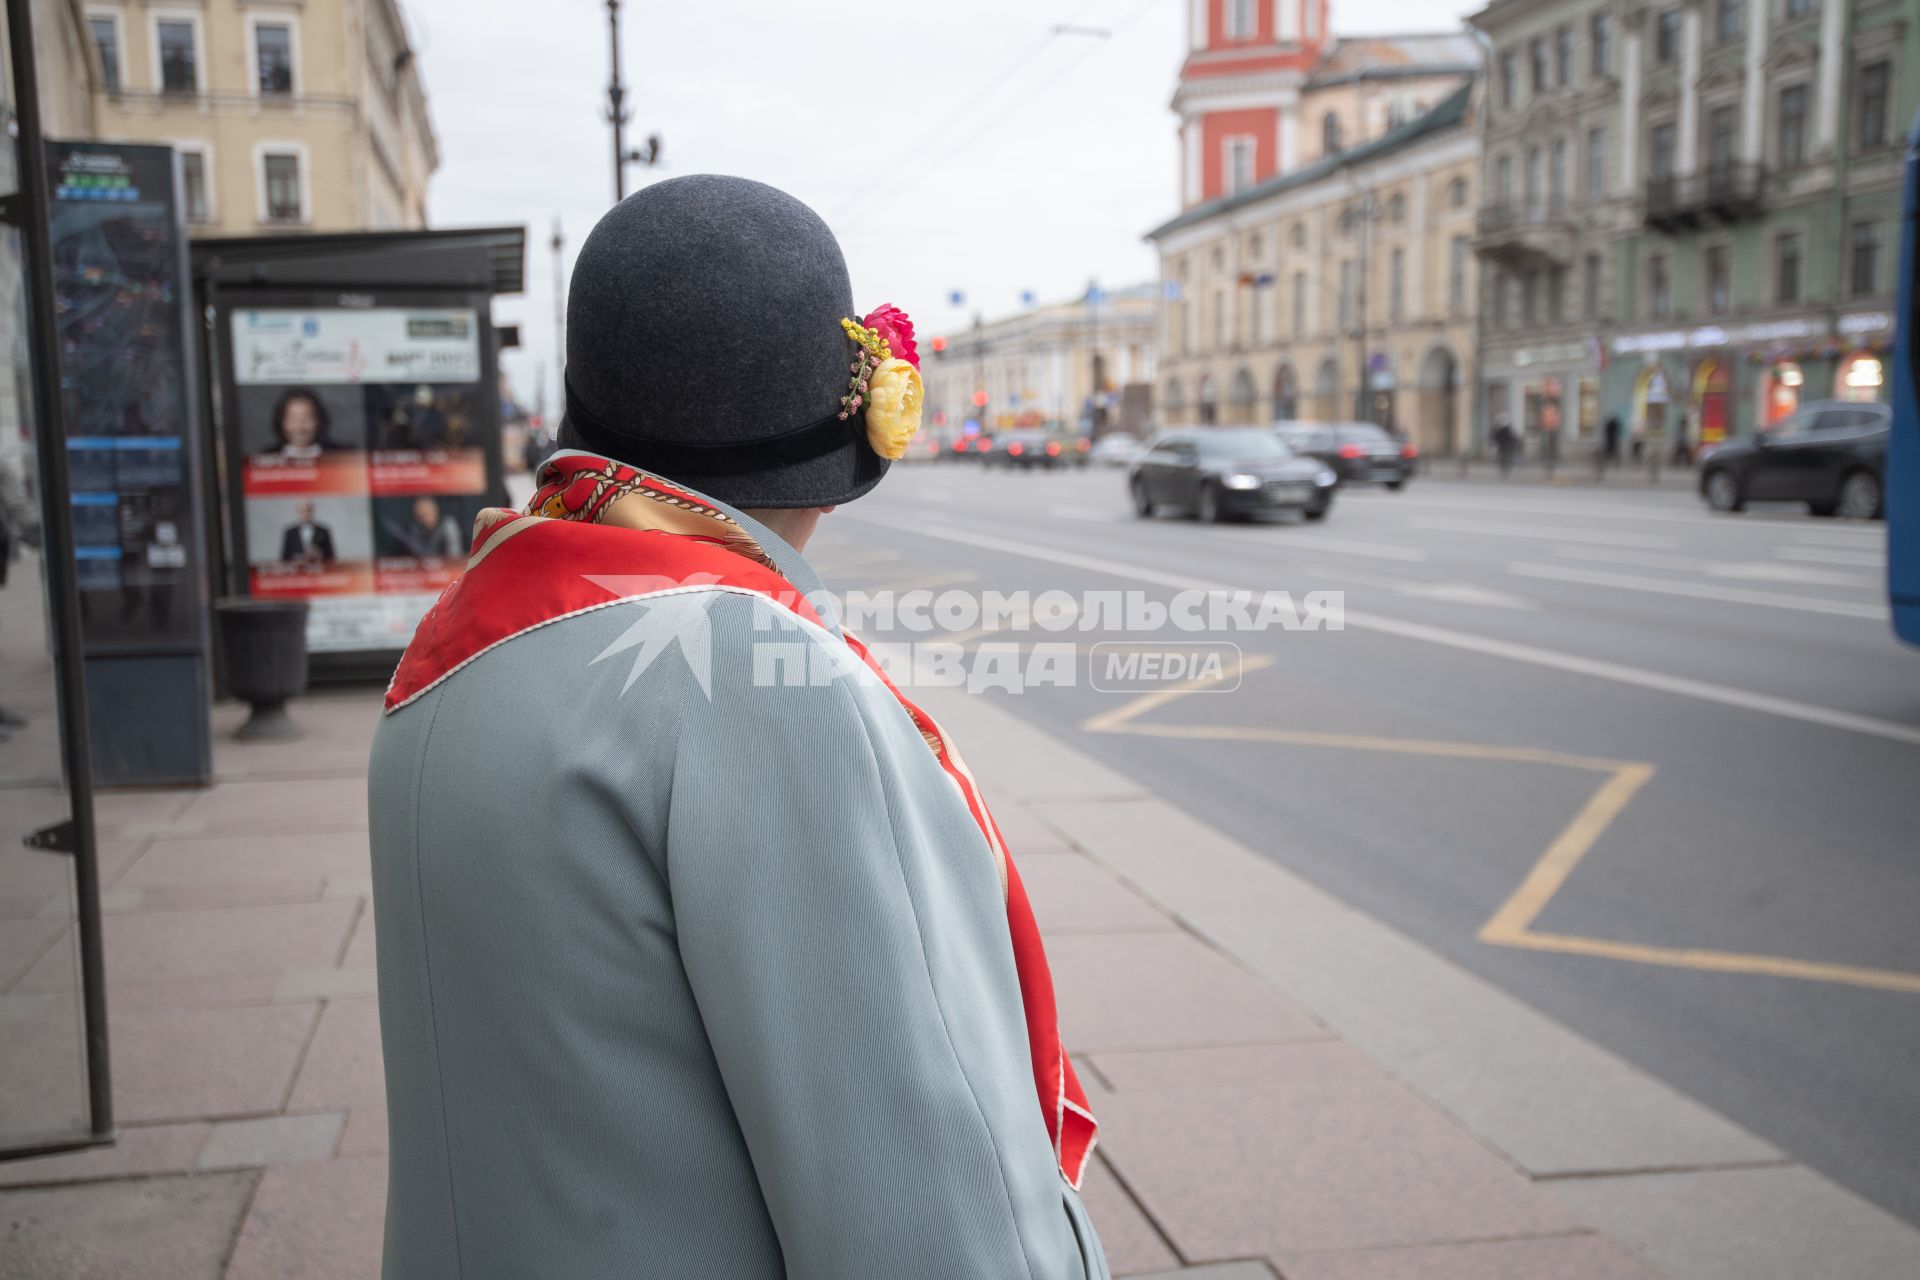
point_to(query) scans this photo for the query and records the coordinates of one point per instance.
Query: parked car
(1219, 472)
(1358, 452)
(1116, 450)
(1028, 448)
(1831, 455)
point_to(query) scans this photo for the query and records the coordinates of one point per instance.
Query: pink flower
(891, 323)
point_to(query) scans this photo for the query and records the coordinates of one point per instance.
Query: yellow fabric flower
(894, 400)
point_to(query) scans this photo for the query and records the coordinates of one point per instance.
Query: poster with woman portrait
(362, 441)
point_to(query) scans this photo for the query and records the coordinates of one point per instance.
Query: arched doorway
(1861, 377)
(1712, 406)
(1243, 402)
(1286, 395)
(1437, 421)
(1209, 400)
(1326, 391)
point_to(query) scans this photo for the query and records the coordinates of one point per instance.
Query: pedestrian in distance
(1682, 444)
(700, 954)
(1505, 445)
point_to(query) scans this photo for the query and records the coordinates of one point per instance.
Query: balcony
(1724, 193)
(1525, 234)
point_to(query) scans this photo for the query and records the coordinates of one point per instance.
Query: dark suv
(1831, 455)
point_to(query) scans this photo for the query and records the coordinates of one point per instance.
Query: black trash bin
(264, 644)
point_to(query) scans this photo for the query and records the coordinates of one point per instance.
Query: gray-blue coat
(679, 985)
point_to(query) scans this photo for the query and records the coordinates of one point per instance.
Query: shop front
(1550, 393)
(1729, 382)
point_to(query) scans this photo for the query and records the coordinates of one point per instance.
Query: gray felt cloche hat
(704, 344)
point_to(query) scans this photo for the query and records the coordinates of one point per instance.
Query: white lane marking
(1447, 592)
(1486, 646)
(1546, 533)
(1824, 555)
(1748, 570)
(1343, 546)
(1700, 591)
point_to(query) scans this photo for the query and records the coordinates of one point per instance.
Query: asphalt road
(1701, 724)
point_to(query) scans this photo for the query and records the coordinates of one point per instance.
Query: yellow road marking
(1512, 924)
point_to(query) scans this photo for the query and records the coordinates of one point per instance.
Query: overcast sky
(950, 146)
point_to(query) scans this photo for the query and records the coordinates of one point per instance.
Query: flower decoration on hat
(885, 385)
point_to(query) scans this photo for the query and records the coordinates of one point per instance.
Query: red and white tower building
(1239, 100)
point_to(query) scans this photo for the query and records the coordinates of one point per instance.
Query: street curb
(1699, 1197)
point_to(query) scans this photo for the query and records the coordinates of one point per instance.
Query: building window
(177, 40)
(1330, 133)
(1537, 63)
(1533, 179)
(1659, 287)
(1397, 208)
(1397, 286)
(1239, 19)
(1660, 152)
(1239, 164)
(1866, 259)
(193, 176)
(1503, 180)
(1872, 108)
(1723, 136)
(1499, 287)
(1299, 235)
(1729, 19)
(1506, 78)
(1458, 250)
(273, 57)
(1666, 38)
(1563, 57)
(1719, 279)
(1346, 295)
(1219, 318)
(1800, 9)
(1597, 163)
(1557, 295)
(1590, 290)
(1299, 303)
(105, 30)
(280, 175)
(1601, 43)
(1786, 267)
(1457, 193)
(1793, 126)
(1557, 175)
(1256, 246)
(1530, 299)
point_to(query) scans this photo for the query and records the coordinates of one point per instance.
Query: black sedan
(1219, 472)
(1358, 452)
(1026, 449)
(1831, 455)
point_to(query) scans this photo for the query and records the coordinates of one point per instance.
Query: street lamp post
(559, 314)
(1367, 212)
(618, 116)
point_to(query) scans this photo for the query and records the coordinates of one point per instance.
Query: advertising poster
(118, 305)
(363, 463)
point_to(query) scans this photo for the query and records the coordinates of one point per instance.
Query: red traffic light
(939, 345)
(980, 398)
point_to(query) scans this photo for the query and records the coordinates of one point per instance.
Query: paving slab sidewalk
(1286, 1088)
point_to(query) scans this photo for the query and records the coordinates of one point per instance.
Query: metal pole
(559, 309)
(32, 214)
(1366, 269)
(616, 112)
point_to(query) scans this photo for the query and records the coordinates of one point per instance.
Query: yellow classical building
(1343, 289)
(288, 114)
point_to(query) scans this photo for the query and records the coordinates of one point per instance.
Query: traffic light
(980, 399)
(939, 345)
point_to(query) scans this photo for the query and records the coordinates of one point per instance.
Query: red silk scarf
(594, 519)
